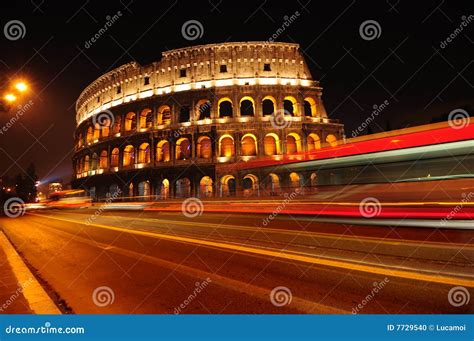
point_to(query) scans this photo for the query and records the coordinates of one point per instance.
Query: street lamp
(10, 98)
(21, 86)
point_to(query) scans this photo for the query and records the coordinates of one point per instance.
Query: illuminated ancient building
(172, 128)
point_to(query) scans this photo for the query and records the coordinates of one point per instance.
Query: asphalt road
(164, 262)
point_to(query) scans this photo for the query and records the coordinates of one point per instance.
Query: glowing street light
(10, 97)
(21, 86)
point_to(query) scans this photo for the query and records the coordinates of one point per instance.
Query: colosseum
(174, 128)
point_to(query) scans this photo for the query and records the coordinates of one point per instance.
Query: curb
(38, 299)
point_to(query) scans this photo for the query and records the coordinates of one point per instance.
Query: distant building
(170, 128)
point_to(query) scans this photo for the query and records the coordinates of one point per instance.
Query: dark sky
(404, 64)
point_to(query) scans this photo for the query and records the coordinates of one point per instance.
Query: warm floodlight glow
(10, 97)
(21, 86)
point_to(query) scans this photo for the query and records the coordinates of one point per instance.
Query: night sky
(404, 64)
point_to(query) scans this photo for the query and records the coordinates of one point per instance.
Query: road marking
(291, 256)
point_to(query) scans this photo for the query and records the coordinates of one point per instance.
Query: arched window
(225, 108)
(295, 180)
(226, 146)
(130, 190)
(144, 189)
(106, 127)
(117, 124)
(114, 158)
(165, 189)
(95, 161)
(271, 144)
(310, 107)
(164, 115)
(293, 143)
(314, 142)
(228, 186)
(289, 105)
(183, 149)
(204, 147)
(250, 184)
(331, 140)
(314, 179)
(87, 163)
(184, 114)
(128, 156)
(183, 188)
(90, 135)
(203, 109)
(130, 121)
(163, 151)
(247, 106)
(206, 187)
(103, 160)
(97, 128)
(273, 183)
(268, 105)
(146, 119)
(144, 153)
(249, 145)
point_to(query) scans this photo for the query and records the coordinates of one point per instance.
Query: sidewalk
(20, 292)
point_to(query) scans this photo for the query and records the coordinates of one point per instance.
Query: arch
(290, 105)
(144, 189)
(203, 109)
(114, 158)
(225, 107)
(183, 188)
(247, 106)
(114, 190)
(165, 189)
(310, 107)
(117, 124)
(146, 119)
(204, 147)
(90, 134)
(313, 142)
(293, 143)
(128, 156)
(94, 161)
(164, 115)
(268, 105)
(226, 146)
(183, 149)
(163, 151)
(273, 183)
(331, 140)
(103, 162)
(314, 179)
(184, 114)
(248, 145)
(87, 161)
(228, 186)
(206, 187)
(295, 180)
(105, 131)
(271, 144)
(97, 129)
(144, 153)
(130, 121)
(130, 190)
(250, 184)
